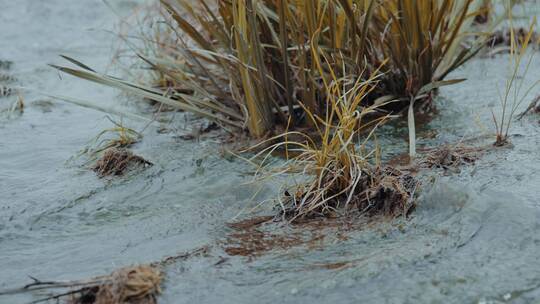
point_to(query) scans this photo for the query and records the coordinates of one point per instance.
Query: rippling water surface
(474, 237)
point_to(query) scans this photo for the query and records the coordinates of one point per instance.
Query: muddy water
(473, 239)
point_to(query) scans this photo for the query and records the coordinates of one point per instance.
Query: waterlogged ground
(474, 237)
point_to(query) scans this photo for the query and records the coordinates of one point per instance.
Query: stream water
(474, 237)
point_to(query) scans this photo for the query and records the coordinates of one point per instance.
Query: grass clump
(117, 162)
(118, 136)
(137, 284)
(424, 41)
(244, 64)
(250, 65)
(109, 151)
(342, 177)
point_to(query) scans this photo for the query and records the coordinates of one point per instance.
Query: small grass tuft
(117, 137)
(514, 92)
(117, 161)
(137, 284)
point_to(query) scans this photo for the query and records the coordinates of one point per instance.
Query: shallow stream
(474, 237)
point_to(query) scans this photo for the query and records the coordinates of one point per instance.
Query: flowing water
(474, 237)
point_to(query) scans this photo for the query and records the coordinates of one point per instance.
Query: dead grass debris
(117, 162)
(449, 156)
(133, 285)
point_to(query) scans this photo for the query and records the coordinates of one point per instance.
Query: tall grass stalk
(514, 92)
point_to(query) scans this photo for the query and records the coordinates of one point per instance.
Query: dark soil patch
(252, 243)
(250, 222)
(260, 235)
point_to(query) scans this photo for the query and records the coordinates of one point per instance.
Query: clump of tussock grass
(342, 176)
(137, 284)
(234, 66)
(424, 41)
(249, 65)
